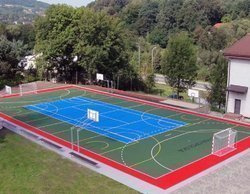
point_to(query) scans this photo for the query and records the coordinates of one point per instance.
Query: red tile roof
(240, 49)
(218, 25)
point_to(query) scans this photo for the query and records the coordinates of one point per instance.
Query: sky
(75, 3)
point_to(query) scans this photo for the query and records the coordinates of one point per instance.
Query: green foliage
(100, 47)
(218, 79)
(24, 33)
(11, 52)
(158, 36)
(179, 62)
(199, 12)
(16, 41)
(212, 41)
(141, 16)
(95, 38)
(147, 17)
(150, 82)
(55, 39)
(111, 7)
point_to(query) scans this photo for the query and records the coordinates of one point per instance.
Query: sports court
(119, 123)
(153, 142)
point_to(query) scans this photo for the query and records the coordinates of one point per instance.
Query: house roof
(237, 89)
(240, 49)
(218, 25)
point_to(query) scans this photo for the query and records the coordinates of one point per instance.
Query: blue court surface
(116, 122)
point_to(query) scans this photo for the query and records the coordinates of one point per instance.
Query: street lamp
(75, 59)
(153, 57)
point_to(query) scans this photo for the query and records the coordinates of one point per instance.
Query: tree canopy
(94, 38)
(179, 63)
(16, 41)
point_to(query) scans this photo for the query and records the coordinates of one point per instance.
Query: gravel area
(233, 178)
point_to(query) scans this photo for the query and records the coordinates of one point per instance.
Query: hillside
(21, 11)
(158, 19)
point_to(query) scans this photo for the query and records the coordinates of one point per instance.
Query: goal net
(8, 90)
(224, 142)
(28, 88)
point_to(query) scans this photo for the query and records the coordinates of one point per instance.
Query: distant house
(218, 25)
(238, 94)
(29, 62)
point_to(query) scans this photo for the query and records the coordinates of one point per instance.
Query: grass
(166, 90)
(28, 168)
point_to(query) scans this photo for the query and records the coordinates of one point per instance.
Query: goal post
(224, 142)
(28, 88)
(8, 90)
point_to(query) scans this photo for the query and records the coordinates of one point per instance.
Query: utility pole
(153, 57)
(139, 54)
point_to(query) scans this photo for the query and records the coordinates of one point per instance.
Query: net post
(21, 90)
(78, 140)
(213, 145)
(72, 138)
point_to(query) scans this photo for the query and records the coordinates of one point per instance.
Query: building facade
(238, 83)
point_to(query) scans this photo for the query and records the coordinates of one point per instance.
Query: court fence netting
(28, 88)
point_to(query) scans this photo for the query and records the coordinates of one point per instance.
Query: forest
(21, 11)
(130, 41)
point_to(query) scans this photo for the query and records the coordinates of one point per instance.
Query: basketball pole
(78, 140)
(72, 139)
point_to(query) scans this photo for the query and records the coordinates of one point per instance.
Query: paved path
(200, 85)
(182, 104)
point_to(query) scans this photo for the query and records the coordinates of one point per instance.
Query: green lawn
(26, 167)
(166, 90)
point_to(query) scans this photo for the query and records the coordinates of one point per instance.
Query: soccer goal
(28, 88)
(224, 142)
(8, 90)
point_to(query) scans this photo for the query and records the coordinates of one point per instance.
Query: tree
(218, 79)
(179, 62)
(96, 39)
(55, 39)
(147, 17)
(167, 17)
(100, 46)
(112, 7)
(10, 55)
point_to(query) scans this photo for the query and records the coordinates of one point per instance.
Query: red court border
(165, 181)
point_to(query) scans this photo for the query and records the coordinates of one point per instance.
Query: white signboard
(93, 115)
(99, 76)
(193, 93)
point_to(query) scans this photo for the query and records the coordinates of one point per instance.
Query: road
(160, 79)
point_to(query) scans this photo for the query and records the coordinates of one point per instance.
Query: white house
(238, 94)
